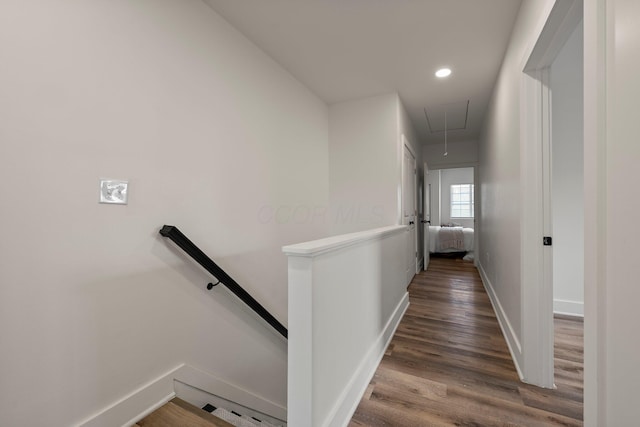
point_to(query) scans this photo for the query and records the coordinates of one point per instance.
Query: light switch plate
(113, 191)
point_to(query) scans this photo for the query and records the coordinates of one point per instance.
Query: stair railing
(201, 258)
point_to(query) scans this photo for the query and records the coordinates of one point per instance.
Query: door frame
(407, 145)
(535, 174)
(426, 215)
(476, 199)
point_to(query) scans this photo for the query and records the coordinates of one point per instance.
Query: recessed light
(443, 72)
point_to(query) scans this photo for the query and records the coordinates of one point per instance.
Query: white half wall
(347, 295)
(213, 136)
(568, 177)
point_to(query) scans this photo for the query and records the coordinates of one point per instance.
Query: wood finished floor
(178, 413)
(448, 363)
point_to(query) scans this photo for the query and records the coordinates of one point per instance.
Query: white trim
(149, 397)
(598, 36)
(407, 144)
(568, 308)
(546, 342)
(341, 413)
(135, 405)
(555, 27)
(216, 386)
(146, 412)
(508, 332)
(331, 244)
(537, 318)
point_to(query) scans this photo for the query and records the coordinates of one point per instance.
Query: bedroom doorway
(450, 199)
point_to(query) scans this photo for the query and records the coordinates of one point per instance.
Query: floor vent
(236, 419)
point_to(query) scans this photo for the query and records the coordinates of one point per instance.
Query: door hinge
(546, 240)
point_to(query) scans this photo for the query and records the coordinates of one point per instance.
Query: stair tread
(178, 413)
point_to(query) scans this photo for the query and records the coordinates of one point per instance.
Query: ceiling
(349, 49)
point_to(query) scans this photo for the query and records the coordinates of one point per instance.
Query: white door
(409, 210)
(426, 222)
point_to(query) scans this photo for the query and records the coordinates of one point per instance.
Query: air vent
(457, 115)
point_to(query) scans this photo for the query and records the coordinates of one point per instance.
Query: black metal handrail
(201, 258)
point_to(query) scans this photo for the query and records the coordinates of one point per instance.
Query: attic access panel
(457, 116)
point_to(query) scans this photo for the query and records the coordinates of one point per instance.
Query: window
(462, 201)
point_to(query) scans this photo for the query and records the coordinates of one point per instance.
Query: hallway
(448, 363)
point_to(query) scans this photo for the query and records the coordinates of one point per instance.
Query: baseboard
(350, 397)
(215, 386)
(515, 348)
(146, 399)
(568, 308)
(136, 404)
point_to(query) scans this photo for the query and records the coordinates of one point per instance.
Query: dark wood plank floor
(448, 363)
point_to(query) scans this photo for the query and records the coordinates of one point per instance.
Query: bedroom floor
(448, 363)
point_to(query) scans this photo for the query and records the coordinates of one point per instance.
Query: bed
(450, 239)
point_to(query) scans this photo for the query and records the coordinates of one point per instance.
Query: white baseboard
(350, 397)
(515, 348)
(146, 399)
(568, 308)
(215, 386)
(137, 404)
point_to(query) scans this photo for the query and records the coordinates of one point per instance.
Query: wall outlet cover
(113, 191)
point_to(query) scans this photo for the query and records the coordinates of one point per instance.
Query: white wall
(214, 137)
(619, 344)
(499, 213)
(568, 177)
(363, 194)
(365, 169)
(406, 129)
(451, 177)
(459, 154)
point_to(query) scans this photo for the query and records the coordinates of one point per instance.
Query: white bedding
(434, 242)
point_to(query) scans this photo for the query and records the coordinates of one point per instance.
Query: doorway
(567, 177)
(450, 200)
(541, 142)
